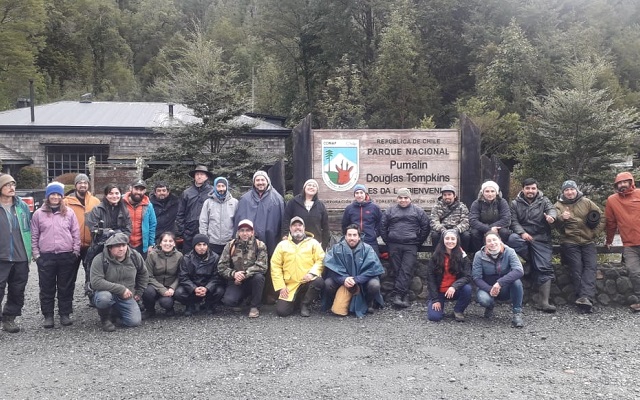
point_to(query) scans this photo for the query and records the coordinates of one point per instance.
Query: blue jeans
(128, 309)
(513, 292)
(463, 297)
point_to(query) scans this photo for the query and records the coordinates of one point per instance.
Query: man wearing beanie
(577, 241)
(404, 228)
(15, 251)
(489, 212)
(307, 206)
(55, 240)
(165, 205)
(191, 201)
(450, 213)
(264, 206)
(216, 217)
(532, 215)
(364, 213)
(622, 213)
(199, 280)
(81, 201)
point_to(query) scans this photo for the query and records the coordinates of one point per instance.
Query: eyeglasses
(10, 184)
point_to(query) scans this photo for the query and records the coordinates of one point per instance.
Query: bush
(30, 178)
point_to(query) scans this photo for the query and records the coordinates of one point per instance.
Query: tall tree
(341, 105)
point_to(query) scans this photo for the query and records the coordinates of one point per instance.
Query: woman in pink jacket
(55, 238)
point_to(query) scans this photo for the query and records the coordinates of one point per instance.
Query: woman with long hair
(163, 264)
(313, 212)
(448, 278)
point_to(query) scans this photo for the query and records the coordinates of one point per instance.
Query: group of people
(243, 251)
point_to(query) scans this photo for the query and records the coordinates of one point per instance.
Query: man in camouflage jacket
(450, 213)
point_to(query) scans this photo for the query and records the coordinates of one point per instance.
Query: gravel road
(389, 355)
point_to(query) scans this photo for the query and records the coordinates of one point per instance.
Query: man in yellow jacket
(296, 269)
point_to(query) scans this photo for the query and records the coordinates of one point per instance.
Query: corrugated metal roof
(8, 155)
(111, 114)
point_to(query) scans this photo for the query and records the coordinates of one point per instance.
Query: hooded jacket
(20, 222)
(54, 232)
(454, 216)
(505, 269)
(81, 210)
(291, 261)
(189, 208)
(529, 217)
(622, 211)
(316, 220)
(575, 230)
(166, 211)
(197, 270)
(367, 215)
(484, 215)
(143, 215)
(163, 269)
(216, 218)
(118, 276)
(104, 212)
(265, 211)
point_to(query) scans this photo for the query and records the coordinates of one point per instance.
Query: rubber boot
(105, 319)
(309, 297)
(544, 292)
(9, 324)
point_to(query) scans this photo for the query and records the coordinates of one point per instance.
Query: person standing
(307, 206)
(81, 201)
(190, 206)
(404, 228)
(364, 213)
(216, 217)
(55, 240)
(165, 206)
(143, 218)
(532, 215)
(244, 263)
(622, 214)
(579, 224)
(15, 251)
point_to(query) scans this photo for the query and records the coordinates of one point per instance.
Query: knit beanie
(308, 182)
(220, 179)
(54, 187)
(199, 238)
(260, 173)
(569, 185)
(359, 186)
(6, 178)
(81, 178)
(404, 192)
(491, 184)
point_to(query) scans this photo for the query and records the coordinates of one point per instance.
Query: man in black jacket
(188, 217)
(165, 205)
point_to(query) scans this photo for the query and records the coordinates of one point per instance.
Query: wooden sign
(385, 161)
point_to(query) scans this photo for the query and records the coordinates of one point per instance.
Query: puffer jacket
(81, 210)
(118, 276)
(484, 215)
(292, 261)
(216, 218)
(54, 232)
(505, 269)
(238, 255)
(529, 217)
(454, 216)
(408, 225)
(163, 269)
(196, 271)
(368, 216)
(575, 230)
(143, 215)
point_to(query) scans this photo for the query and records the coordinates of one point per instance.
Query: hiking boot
(488, 312)
(48, 321)
(9, 324)
(65, 320)
(304, 310)
(188, 312)
(105, 319)
(210, 310)
(517, 321)
(170, 312)
(254, 312)
(148, 313)
(398, 302)
(544, 292)
(459, 317)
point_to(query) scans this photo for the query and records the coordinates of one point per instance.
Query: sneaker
(48, 321)
(488, 312)
(459, 317)
(517, 321)
(65, 320)
(254, 312)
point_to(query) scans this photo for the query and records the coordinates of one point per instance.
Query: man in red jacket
(623, 214)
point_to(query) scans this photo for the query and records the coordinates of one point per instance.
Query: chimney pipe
(32, 101)
(170, 110)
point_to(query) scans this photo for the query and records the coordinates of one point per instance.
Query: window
(62, 159)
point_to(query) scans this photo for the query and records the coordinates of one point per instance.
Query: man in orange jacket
(623, 214)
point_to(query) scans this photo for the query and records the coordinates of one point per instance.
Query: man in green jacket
(15, 251)
(579, 223)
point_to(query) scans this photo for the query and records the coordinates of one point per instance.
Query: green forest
(553, 85)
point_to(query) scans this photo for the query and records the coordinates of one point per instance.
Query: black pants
(371, 288)
(13, 277)
(252, 286)
(403, 260)
(81, 260)
(307, 292)
(582, 260)
(190, 299)
(56, 273)
(151, 295)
